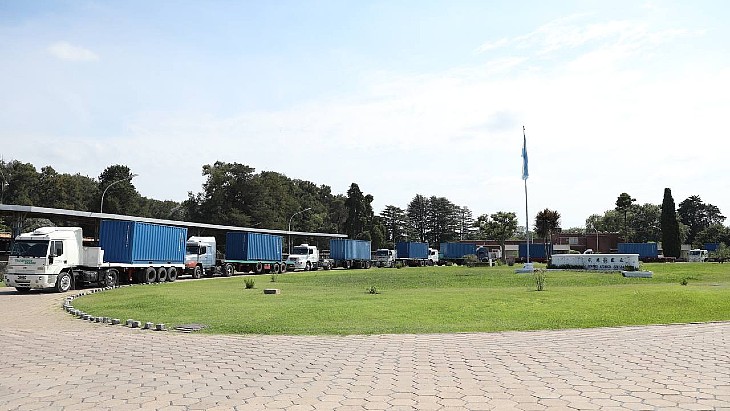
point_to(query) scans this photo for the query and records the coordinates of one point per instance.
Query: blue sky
(401, 97)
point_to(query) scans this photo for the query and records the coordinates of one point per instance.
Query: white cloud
(67, 51)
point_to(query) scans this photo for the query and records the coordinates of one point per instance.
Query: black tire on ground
(197, 272)
(172, 274)
(150, 275)
(347, 264)
(22, 290)
(161, 275)
(282, 267)
(111, 278)
(308, 266)
(228, 270)
(258, 268)
(430, 263)
(64, 282)
(276, 268)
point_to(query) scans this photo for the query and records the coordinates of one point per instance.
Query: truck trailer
(128, 252)
(348, 253)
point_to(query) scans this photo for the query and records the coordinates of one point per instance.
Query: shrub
(470, 260)
(373, 290)
(539, 280)
(273, 278)
(249, 283)
(399, 264)
(684, 281)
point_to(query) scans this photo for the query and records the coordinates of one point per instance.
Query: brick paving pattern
(52, 361)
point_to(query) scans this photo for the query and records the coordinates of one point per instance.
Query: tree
(671, 242)
(715, 233)
(623, 205)
(609, 222)
(698, 216)
(442, 220)
(121, 197)
(646, 222)
(546, 223)
(418, 218)
(359, 211)
(500, 226)
(465, 221)
(395, 221)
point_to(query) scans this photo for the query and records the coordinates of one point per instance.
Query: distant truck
(385, 258)
(697, 256)
(307, 257)
(413, 254)
(347, 253)
(245, 252)
(55, 257)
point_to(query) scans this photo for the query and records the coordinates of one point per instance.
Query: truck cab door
(57, 260)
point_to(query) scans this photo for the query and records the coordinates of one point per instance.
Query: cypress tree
(670, 226)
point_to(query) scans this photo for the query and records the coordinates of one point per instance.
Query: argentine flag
(525, 174)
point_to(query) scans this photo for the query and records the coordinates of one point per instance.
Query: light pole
(5, 182)
(597, 249)
(101, 206)
(290, 219)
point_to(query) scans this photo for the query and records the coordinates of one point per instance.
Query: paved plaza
(52, 361)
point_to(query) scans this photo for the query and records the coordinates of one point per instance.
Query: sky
(400, 97)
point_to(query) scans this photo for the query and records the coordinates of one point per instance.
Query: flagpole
(527, 214)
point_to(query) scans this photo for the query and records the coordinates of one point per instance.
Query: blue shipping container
(345, 249)
(405, 249)
(645, 250)
(712, 247)
(536, 251)
(133, 242)
(457, 250)
(242, 246)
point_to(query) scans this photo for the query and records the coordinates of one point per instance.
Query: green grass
(426, 300)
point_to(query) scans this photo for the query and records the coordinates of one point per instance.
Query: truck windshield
(29, 248)
(300, 251)
(191, 249)
(381, 253)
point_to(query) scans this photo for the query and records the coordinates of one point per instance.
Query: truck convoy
(245, 252)
(55, 257)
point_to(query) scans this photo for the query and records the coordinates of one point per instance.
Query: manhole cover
(188, 328)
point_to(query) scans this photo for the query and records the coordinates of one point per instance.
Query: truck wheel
(197, 272)
(430, 263)
(276, 268)
(150, 275)
(111, 278)
(64, 282)
(172, 274)
(228, 270)
(259, 268)
(367, 264)
(308, 266)
(161, 275)
(282, 267)
(347, 264)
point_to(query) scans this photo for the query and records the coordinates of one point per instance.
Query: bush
(249, 283)
(273, 278)
(399, 264)
(539, 280)
(684, 281)
(470, 260)
(373, 290)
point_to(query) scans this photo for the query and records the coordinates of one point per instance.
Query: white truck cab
(385, 258)
(37, 259)
(433, 256)
(200, 256)
(697, 256)
(303, 257)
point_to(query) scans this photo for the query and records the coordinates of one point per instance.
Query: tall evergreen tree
(418, 218)
(623, 205)
(671, 243)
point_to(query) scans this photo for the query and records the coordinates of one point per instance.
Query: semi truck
(245, 252)
(307, 257)
(56, 257)
(415, 254)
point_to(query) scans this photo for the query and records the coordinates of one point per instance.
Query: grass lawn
(426, 300)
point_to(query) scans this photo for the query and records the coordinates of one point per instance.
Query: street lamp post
(597, 249)
(101, 206)
(290, 220)
(4, 183)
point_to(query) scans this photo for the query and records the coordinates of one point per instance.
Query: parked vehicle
(697, 256)
(415, 254)
(646, 251)
(348, 253)
(385, 258)
(253, 252)
(307, 257)
(485, 255)
(456, 252)
(201, 258)
(55, 257)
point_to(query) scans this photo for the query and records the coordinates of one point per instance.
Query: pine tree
(670, 226)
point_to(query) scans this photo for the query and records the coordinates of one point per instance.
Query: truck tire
(172, 274)
(276, 268)
(347, 264)
(228, 270)
(111, 278)
(308, 266)
(282, 267)
(258, 268)
(150, 275)
(161, 275)
(197, 272)
(64, 282)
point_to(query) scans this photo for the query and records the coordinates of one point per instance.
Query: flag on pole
(525, 174)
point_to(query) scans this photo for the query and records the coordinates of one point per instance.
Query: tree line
(236, 194)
